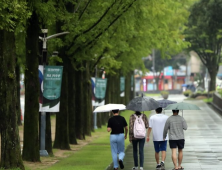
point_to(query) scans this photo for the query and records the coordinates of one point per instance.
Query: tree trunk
(213, 73)
(10, 142)
(99, 117)
(113, 84)
(117, 88)
(108, 96)
(62, 133)
(87, 95)
(79, 106)
(18, 104)
(127, 88)
(132, 92)
(103, 119)
(71, 104)
(92, 120)
(31, 120)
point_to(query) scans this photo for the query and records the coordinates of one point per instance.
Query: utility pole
(44, 39)
(95, 113)
(154, 71)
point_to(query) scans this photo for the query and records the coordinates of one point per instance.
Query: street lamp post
(154, 71)
(44, 39)
(95, 113)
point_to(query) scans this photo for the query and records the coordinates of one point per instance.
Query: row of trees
(113, 35)
(203, 31)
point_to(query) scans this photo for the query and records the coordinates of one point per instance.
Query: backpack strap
(138, 116)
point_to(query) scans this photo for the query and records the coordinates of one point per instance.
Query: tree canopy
(12, 12)
(131, 28)
(204, 34)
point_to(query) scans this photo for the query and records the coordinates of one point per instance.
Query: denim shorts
(177, 143)
(160, 146)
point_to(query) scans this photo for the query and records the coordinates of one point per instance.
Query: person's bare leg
(157, 158)
(180, 157)
(163, 155)
(174, 157)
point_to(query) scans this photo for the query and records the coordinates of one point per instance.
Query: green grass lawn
(94, 156)
(208, 100)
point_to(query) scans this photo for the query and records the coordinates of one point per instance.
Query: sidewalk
(203, 142)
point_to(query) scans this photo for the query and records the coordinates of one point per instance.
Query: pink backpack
(139, 129)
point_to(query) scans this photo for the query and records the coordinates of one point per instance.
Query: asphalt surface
(203, 140)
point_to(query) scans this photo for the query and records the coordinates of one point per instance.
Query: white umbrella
(109, 107)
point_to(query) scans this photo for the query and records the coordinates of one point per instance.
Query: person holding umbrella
(137, 141)
(116, 125)
(139, 104)
(157, 123)
(176, 124)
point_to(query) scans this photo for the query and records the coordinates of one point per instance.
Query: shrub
(208, 100)
(220, 92)
(187, 93)
(200, 89)
(164, 94)
(197, 94)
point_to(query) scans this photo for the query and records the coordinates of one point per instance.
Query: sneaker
(121, 164)
(162, 164)
(158, 167)
(135, 168)
(141, 168)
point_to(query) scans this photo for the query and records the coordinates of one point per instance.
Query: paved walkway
(203, 141)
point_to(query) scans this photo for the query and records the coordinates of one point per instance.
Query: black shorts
(177, 143)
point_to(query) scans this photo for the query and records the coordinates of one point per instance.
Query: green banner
(132, 81)
(122, 84)
(52, 82)
(100, 88)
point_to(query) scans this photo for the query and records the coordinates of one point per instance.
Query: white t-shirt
(157, 123)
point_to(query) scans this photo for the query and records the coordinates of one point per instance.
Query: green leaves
(11, 13)
(204, 30)
(121, 31)
(204, 33)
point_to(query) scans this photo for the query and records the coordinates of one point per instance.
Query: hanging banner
(122, 86)
(50, 85)
(132, 82)
(100, 88)
(98, 91)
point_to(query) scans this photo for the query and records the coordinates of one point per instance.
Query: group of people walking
(163, 128)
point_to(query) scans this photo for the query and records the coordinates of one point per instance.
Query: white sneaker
(135, 168)
(141, 168)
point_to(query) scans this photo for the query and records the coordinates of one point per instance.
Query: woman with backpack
(138, 124)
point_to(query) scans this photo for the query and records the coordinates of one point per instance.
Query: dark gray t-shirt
(175, 124)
